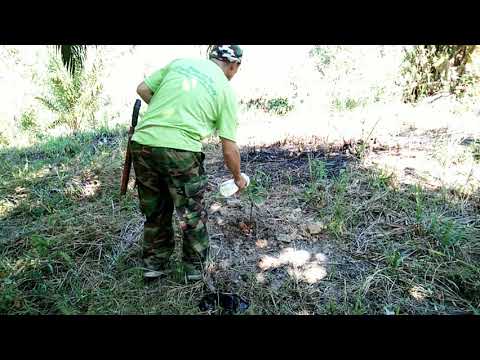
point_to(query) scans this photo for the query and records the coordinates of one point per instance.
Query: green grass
(317, 176)
(60, 212)
(65, 250)
(70, 244)
(346, 104)
(407, 235)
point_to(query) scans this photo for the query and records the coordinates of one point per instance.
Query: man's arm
(231, 155)
(151, 84)
(144, 92)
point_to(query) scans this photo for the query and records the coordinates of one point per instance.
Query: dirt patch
(272, 241)
(280, 255)
(288, 163)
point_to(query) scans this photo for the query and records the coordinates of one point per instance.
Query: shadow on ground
(317, 233)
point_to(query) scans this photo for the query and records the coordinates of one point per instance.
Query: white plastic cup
(228, 188)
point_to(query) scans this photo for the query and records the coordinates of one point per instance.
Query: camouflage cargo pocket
(196, 186)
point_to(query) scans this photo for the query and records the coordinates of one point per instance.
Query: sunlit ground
(300, 265)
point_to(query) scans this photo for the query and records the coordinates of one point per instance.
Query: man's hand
(241, 183)
(144, 92)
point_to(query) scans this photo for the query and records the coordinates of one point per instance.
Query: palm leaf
(49, 104)
(73, 56)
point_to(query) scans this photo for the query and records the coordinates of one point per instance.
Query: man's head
(228, 57)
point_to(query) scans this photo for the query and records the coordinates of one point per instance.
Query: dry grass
(391, 247)
(71, 245)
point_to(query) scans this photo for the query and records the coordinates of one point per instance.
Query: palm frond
(73, 56)
(49, 104)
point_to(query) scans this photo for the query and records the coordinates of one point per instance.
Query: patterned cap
(230, 53)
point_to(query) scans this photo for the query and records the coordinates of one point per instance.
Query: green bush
(429, 69)
(74, 98)
(278, 106)
(28, 120)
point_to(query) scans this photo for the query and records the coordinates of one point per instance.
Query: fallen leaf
(315, 228)
(245, 228)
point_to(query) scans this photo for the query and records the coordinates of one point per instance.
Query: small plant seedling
(395, 259)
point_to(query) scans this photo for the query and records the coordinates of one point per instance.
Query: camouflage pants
(168, 179)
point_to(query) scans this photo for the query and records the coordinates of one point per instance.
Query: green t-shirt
(191, 99)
